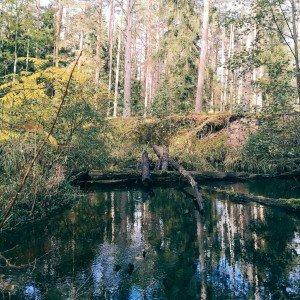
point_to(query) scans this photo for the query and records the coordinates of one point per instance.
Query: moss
(287, 204)
(127, 138)
(199, 142)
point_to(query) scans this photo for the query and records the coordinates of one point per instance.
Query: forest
(110, 109)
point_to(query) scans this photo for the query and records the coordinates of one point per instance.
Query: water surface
(133, 244)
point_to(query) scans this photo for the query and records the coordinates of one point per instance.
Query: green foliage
(28, 109)
(275, 148)
(28, 37)
(46, 188)
(180, 52)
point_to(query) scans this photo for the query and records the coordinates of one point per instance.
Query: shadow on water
(132, 244)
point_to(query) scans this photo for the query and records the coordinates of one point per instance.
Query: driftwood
(184, 173)
(145, 168)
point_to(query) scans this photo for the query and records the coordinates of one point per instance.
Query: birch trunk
(202, 61)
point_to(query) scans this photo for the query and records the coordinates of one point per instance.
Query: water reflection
(129, 245)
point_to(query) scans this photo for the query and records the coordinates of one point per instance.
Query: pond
(135, 244)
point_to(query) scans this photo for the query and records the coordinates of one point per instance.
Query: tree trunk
(165, 159)
(296, 49)
(16, 49)
(240, 87)
(127, 79)
(232, 84)
(203, 55)
(57, 28)
(98, 44)
(222, 79)
(117, 77)
(254, 77)
(27, 55)
(148, 60)
(81, 43)
(184, 173)
(110, 41)
(145, 168)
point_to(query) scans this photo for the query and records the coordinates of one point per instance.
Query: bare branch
(280, 31)
(286, 21)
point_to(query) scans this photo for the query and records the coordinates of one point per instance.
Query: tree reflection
(140, 245)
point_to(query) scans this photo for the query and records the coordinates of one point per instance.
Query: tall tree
(148, 59)
(99, 9)
(127, 79)
(203, 56)
(58, 27)
(116, 96)
(110, 40)
(285, 16)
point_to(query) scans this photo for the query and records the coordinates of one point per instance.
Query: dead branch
(14, 199)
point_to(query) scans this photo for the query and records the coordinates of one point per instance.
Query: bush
(275, 147)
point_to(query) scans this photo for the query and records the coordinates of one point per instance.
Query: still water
(133, 244)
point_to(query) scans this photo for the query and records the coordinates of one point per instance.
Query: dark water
(134, 245)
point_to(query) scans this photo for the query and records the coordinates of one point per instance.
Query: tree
(284, 17)
(99, 9)
(203, 57)
(57, 26)
(116, 96)
(127, 78)
(110, 40)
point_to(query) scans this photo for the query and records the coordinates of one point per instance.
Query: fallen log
(283, 203)
(145, 168)
(134, 176)
(288, 204)
(184, 173)
(165, 159)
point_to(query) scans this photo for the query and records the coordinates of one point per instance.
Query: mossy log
(135, 176)
(286, 204)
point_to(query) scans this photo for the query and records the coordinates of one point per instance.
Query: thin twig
(11, 265)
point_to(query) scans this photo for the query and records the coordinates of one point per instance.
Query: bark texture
(127, 79)
(203, 56)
